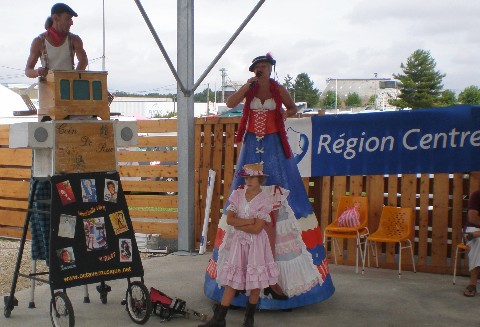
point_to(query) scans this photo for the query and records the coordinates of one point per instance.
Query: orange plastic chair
(396, 226)
(461, 248)
(359, 233)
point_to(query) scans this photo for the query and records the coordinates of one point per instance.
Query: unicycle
(137, 302)
(61, 310)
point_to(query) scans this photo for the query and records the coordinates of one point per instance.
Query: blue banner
(437, 140)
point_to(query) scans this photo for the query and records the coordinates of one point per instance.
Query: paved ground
(377, 298)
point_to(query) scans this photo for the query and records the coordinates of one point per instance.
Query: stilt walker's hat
(266, 58)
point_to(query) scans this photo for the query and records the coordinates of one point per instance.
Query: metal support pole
(185, 125)
(160, 45)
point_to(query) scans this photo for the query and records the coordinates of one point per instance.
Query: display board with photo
(92, 239)
(89, 190)
(66, 226)
(110, 192)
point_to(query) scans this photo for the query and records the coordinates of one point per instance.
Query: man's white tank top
(59, 58)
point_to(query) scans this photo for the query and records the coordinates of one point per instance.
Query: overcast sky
(336, 39)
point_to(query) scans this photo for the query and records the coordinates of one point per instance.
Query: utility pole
(224, 73)
(103, 53)
(336, 95)
(208, 99)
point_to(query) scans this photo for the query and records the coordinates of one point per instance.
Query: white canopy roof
(10, 102)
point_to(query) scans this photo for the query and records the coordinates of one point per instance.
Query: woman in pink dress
(245, 260)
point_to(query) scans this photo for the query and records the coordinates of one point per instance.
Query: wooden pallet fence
(149, 176)
(149, 180)
(439, 201)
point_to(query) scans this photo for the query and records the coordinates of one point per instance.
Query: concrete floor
(377, 298)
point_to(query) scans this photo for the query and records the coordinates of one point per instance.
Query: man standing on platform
(56, 48)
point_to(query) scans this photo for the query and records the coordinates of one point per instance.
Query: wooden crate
(73, 93)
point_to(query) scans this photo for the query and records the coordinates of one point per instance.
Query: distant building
(383, 88)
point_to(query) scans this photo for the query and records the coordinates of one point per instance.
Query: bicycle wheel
(138, 303)
(61, 311)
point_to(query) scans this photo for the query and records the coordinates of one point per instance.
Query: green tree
(372, 99)
(470, 95)
(329, 100)
(353, 100)
(447, 98)
(304, 90)
(421, 83)
(202, 96)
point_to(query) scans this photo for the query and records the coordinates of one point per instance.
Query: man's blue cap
(60, 8)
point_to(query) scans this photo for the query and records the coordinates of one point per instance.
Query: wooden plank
(306, 183)
(14, 189)
(423, 224)
(440, 220)
(16, 157)
(229, 164)
(339, 189)
(147, 156)
(166, 230)
(217, 155)
(326, 214)
(4, 134)
(392, 200)
(375, 187)
(355, 188)
(157, 126)
(13, 218)
(13, 204)
(148, 171)
(150, 186)
(217, 120)
(408, 200)
(457, 215)
(206, 164)
(153, 201)
(17, 173)
(356, 185)
(198, 223)
(153, 214)
(154, 141)
(13, 233)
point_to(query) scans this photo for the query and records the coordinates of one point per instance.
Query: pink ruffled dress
(245, 260)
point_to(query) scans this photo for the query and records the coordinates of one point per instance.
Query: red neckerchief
(57, 37)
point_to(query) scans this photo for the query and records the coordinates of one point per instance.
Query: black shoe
(269, 291)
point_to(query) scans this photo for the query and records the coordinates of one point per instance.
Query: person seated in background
(472, 234)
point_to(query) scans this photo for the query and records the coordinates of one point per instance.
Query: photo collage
(86, 208)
